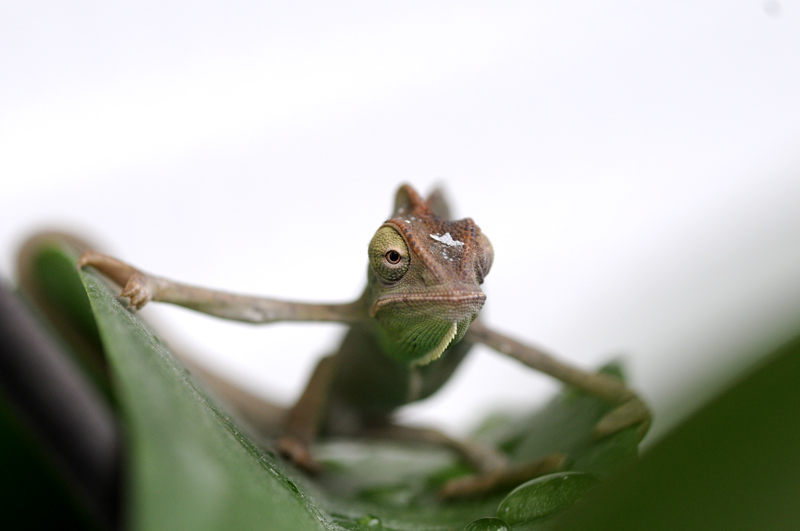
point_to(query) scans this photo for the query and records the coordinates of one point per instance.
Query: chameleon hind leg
(303, 421)
(493, 470)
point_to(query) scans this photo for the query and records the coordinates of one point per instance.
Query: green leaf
(735, 464)
(49, 282)
(192, 467)
(545, 496)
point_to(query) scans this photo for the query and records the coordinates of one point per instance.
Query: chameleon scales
(415, 322)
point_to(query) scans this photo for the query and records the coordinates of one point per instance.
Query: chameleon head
(424, 275)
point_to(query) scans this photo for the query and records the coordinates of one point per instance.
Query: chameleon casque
(415, 322)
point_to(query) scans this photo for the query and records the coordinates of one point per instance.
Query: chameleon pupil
(393, 257)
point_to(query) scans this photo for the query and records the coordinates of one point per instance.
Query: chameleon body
(415, 322)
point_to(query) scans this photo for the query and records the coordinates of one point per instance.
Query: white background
(635, 164)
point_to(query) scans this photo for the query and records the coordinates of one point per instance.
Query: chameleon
(416, 320)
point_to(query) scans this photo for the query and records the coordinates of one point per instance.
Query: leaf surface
(192, 467)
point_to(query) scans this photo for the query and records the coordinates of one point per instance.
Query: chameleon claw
(138, 290)
(138, 287)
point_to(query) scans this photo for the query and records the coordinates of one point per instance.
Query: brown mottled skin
(408, 332)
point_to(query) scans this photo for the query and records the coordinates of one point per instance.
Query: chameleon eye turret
(484, 258)
(388, 255)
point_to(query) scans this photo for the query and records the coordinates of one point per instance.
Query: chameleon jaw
(439, 349)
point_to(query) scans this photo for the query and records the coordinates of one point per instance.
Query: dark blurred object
(49, 285)
(59, 433)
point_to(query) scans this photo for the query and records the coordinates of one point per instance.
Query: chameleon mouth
(437, 351)
(453, 299)
(417, 328)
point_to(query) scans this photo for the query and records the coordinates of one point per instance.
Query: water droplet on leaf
(369, 521)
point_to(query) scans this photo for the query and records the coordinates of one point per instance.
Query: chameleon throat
(437, 351)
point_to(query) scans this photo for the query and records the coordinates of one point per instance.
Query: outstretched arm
(630, 410)
(141, 288)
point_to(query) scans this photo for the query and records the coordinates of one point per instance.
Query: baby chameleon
(415, 322)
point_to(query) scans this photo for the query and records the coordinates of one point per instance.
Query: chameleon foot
(138, 287)
(501, 479)
(298, 453)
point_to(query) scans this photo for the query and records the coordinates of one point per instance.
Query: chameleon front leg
(630, 410)
(301, 423)
(142, 288)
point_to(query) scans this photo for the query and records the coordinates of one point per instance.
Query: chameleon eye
(485, 257)
(388, 254)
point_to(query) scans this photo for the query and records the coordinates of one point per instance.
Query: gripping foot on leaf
(139, 287)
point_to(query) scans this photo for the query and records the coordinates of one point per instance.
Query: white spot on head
(447, 240)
